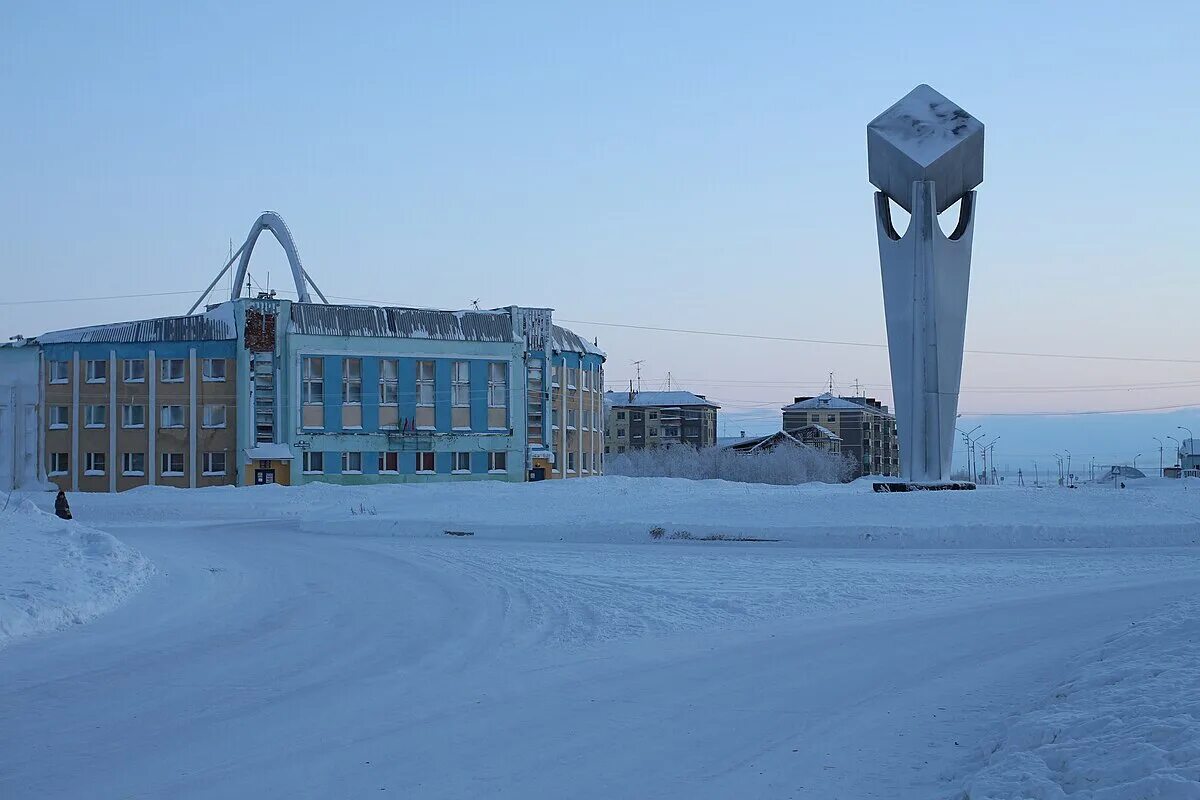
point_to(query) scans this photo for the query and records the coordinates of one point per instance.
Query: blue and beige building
(267, 390)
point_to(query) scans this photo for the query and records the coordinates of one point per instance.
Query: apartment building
(637, 420)
(263, 390)
(865, 428)
(398, 394)
(140, 403)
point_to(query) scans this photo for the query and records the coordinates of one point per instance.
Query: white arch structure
(267, 221)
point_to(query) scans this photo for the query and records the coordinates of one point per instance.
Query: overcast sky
(677, 165)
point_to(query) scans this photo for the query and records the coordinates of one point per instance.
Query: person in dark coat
(62, 509)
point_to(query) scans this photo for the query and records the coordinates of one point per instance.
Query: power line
(738, 384)
(86, 299)
(842, 343)
(690, 331)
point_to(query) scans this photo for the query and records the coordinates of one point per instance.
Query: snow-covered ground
(334, 642)
(55, 573)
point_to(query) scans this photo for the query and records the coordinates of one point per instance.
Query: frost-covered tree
(784, 464)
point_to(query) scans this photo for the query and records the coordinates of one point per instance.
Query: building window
(620, 415)
(352, 381)
(620, 433)
(94, 464)
(670, 431)
(214, 463)
(96, 416)
(426, 383)
(60, 463)
(60, 417)
(572, 419)
(133, 416)
(214, 416)
(570, 462)
(351, 463)
(97, 371)
(314, 462)
(570, 377)
(134, 370)
(389, 378)
(462, 462)
(133, 464)
(498, 462)
(426, 463)
(389, 462)
(620, 448)
(497, 385)
(586, 461)
(214, 371)
(60, 371)
(460, 384)
(829, 418)
(172, 417)
(172, 464)
(314, 381)
(654, 431)
(171, 370)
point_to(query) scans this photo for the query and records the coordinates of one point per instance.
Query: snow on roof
(656, 399)
(269, 452)
(835, 403)
(822, 430)
(567, 341)
(316, 319)
(216, 324)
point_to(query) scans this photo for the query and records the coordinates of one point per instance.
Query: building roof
(833, 402)
(216, 324)
(821, 431)
(764, 442)
(318, 319)
(567, 341)
(656, 399)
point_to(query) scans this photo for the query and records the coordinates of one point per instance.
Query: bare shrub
(658, 532)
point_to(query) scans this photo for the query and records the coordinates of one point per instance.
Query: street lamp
(1135, 458)
(1160, 454)
(1178, 448)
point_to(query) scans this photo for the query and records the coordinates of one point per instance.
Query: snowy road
(265, 662)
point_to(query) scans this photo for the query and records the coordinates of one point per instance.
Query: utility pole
(1160, 455)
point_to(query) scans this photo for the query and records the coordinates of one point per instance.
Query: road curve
(263, 662)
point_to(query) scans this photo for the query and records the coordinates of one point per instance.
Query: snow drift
(55, 573)
(1124, 726)
(623, 510)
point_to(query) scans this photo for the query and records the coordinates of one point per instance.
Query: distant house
(864, 427)
(1189, 454)
(813, 436)
(637, 420)
(810, 436)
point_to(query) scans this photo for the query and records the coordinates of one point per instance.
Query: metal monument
(925, 154)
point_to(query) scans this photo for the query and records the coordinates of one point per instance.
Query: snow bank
(54, 573)
(1125, 726)
(618, 509)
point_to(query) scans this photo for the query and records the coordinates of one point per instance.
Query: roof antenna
(475, 304)
(831, 383)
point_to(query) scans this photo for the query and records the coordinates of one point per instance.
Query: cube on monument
(925, 137)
